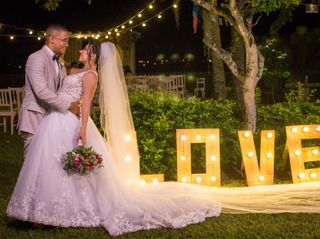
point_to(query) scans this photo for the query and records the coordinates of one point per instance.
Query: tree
(240, 14)
(211, 26)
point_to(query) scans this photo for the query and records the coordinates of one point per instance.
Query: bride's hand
(83, 137)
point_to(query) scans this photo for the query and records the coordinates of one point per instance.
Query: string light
(124, 26)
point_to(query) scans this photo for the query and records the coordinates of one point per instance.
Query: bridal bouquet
(82, 160)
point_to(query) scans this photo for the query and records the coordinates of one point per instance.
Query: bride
(109, 197)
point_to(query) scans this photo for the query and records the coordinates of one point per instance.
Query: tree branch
(216, 11)
(241, 25)
(225, 56)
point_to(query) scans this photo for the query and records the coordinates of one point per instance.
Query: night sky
(158, 37)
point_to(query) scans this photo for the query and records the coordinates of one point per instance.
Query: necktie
(56, 58)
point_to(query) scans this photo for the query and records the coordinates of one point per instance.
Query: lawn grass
(225, 226)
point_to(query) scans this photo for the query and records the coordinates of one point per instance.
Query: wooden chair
(7, 109)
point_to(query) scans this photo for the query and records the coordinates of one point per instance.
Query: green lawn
(226, 226)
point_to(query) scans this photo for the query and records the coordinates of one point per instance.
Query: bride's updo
(94, 49)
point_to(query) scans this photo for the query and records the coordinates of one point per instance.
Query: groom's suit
(41, 85)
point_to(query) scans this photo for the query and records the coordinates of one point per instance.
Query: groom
(43, 78)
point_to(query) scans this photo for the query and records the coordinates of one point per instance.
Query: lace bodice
(72, 86)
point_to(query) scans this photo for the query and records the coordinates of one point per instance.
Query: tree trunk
(218, 74)
(211, 27)
(250, 106)
(240, 59)
(249, 85)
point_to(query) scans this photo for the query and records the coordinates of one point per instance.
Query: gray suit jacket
(40, 91)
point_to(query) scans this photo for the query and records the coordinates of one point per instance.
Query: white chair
(17, 94)
(176, 85)
(7, 109)
(199, 91)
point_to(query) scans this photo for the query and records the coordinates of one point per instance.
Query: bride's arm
(89, 88)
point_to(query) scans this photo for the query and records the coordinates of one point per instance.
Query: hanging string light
(128, 25)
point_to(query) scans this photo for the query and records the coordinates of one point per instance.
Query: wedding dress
(45, 193)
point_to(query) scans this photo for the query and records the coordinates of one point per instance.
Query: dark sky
(159, 37)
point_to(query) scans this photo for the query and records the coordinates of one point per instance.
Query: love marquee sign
(261, 173)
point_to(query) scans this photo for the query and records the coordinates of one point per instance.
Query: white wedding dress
(45, 193)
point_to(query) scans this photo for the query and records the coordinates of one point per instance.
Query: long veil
(117, 122)
(116, 118)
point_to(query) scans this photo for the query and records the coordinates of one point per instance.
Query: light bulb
(199, 179)
(159, 16)
(183, 158)
(315, 152)
(127, 158)
(246, 134)
(127, 137)
(183, 179)
(261, 178)
(318, 128)
(142, 182)
(313, 175)
(155, 181)
(269, 155)
(213, 157)
(294, 130)
(306, 129)
(30, 32)
(213, 179)
(301, 175)
(198, 137)
(250, 154)
(269, 135)
(297, 152)
(212, 136)
(183, 137)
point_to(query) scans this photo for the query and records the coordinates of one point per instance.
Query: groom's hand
(75, 108)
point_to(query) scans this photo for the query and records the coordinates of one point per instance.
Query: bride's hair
(95, 47)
